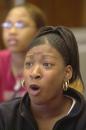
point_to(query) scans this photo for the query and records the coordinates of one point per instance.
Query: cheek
(5, 37)
(4, 34)
(54, 79)
(30, 33)
(52, 86)
(26, 36)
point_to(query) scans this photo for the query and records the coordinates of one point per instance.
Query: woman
(19, 27)
(51, 63)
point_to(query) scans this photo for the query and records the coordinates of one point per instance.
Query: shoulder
(13, 113)
(9, 113)
(78, 113)
(4, 58)
(81, 118)
(9, 108)
(4, 53)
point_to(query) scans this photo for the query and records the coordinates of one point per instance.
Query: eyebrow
(44, 55)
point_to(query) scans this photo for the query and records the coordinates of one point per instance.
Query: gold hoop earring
(22, 83)
(65, 85)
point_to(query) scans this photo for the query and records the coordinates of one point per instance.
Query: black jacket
(15, 115)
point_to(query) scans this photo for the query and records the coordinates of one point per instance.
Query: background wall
(62, 11)
(66, 12)
(80, 34)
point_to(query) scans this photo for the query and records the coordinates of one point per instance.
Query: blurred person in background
(21, 24)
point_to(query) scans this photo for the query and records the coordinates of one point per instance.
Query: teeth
(12, 41)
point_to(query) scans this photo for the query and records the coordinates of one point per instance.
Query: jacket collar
(80, 101)
(25, 110)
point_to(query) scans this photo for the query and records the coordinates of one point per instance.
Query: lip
(34, 90)
(12, 41)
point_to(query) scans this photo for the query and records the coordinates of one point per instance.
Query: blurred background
(71, 13)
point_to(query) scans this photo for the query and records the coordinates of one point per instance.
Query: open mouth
(34, 89)
(12, 42)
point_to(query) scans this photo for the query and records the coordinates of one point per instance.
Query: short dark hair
(62, 39)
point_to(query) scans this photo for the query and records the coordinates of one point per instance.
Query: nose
(36, 73)
(13, 30)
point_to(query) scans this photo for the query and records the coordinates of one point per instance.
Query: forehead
(43, 50)
(18, 12)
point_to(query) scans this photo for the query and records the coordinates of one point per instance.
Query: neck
(17, 63)
(58, 107)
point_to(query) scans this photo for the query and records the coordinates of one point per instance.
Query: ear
(68, 72)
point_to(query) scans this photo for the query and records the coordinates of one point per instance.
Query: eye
(47, 65)
(28, 64)
(20, 24)
(7, 24)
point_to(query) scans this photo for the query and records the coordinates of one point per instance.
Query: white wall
(80, 34)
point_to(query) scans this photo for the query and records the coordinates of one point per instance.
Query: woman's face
(20, 31)
(44, 73)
